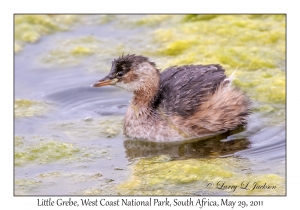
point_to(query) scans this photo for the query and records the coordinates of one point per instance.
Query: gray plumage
(183, 89)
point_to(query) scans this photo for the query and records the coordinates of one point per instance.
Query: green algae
(91, 128)
(253, 44)
(220, 40)
(72, 51)
(79, 50)
(27, 186)
(272, 114)
(19, 141)
(30, 28)
(76, 51)
(17, 47)
(78, 176)
(44, 150)
(104, 187)
(91, 191)
(26, 182)
(23, 186)
(177, 47)
(101, 185)
(28, 108)
(183, 177)
(264, 85)
(153, 20)
(194, 17)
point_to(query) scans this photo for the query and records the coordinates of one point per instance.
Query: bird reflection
(197, 148)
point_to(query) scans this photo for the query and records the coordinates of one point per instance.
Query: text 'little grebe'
(182, 102)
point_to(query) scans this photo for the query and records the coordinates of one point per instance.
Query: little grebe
(179, 103)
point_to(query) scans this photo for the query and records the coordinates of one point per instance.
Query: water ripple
(267, 144)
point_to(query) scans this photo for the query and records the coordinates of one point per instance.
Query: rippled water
(75, 106)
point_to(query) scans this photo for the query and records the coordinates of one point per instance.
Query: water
(84, 125)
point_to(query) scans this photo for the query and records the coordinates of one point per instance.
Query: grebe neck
(147, 90)
(143, 98)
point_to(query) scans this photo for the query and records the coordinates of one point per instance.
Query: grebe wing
(183, 89)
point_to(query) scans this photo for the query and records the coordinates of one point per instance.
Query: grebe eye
(119, 74)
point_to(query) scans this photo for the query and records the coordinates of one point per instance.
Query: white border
(8, 201)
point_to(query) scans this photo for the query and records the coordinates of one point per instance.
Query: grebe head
(131, 72)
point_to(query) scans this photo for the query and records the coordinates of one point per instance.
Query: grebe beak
(105, 81)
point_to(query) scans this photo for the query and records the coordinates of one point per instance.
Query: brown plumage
(180, 103)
